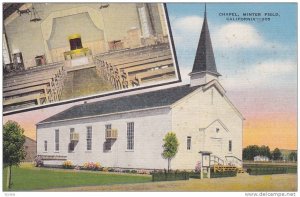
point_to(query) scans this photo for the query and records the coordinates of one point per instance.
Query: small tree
(170, 147)
(265, 151)
(276, 154)
(293, 156)
(250, 152)
(13, 149)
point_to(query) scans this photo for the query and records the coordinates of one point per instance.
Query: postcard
(191, 97)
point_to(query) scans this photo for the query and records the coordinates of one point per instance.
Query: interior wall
(75, 24)
(91, 36)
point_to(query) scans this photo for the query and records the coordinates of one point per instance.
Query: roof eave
(209, 72)
(101, 115)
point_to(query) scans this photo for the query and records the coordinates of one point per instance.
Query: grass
(27, 178)
(242, 183)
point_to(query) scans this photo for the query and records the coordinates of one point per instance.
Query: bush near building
(170, 176)
(91, 166)
(223, 174)
(68, 164)
(269, 170)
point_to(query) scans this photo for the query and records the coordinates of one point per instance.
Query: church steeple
(204, 64)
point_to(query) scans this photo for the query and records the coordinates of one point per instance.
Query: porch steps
(240, 170)
(226, 168)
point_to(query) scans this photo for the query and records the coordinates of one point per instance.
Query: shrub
(126, 171)
(198, 166)
(195, 175)
(38, 162)
(143, 171)
(91, 166)
(292, 170)
(223, 174)
(105, 169)
(68, 164)
(170, 176)
(118, 170)
(77, 167)
(111, 170)
(267, 170)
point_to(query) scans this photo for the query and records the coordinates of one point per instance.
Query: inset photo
(55, 52)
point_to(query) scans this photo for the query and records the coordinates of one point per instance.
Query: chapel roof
(153, 99)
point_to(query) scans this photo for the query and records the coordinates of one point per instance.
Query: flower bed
(68, 164)
(38, 161)
(91, 166)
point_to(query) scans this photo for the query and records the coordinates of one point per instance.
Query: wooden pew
(30, 71)
(38, 86)
(57, 77)
(42, 90)
(135, 51)
(140, 78)
(48, 82)
(32, 97)
(118, 66)
(139, 58)
(144, 62)
(119, 74)
(25, 76)
(147, 67)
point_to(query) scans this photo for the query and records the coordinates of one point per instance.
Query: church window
(89, 138)
(72, 145)
(130, 135)
(56, 140)
(45, 146)
(188, 143)
(107, 144)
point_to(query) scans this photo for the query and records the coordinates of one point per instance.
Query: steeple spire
(204, 68)
(205, 60)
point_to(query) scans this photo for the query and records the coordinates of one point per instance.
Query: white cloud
(186, 31)
(237, 35)
(188, 24)
(267, 73)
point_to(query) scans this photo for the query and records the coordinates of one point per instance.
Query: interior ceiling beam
(10, 8)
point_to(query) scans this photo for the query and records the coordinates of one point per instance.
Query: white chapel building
(128, 131)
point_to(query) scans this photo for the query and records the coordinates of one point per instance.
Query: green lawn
(26, 178)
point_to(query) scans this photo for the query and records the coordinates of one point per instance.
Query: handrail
(234, 160)
(233, 157)
(213, 158)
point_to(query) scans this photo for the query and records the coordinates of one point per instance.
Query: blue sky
(284, 25)
(240, 47)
